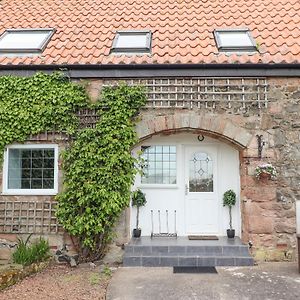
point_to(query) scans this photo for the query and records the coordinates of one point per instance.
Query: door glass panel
(159, 164)
(200, 173)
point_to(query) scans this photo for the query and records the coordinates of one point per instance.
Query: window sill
(29, 193)
(158, 186)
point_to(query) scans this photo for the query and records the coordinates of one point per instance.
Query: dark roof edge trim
(158, 70)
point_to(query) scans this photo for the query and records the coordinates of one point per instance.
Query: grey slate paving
(167, 261)
(150, 261)
(183, 252)
(187, 261)
(225, 261)
(206, 261)
(184, 241)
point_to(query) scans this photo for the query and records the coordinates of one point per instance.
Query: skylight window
(25, 40)
(135, 41)
(234, 40)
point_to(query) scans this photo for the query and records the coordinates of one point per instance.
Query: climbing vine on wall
(99, 171)
(30, 105)
(98, 166)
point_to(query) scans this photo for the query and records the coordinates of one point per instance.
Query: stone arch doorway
(216, 126)
(174, 203)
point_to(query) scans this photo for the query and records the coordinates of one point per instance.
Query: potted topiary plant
(229, 199)
(138, 199)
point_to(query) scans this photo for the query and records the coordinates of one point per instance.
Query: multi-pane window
(31, 169)
(159, 164)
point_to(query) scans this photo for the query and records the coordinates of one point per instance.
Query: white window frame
(133, 50)
(160, 185)
(240, 48)
(39, 49)
(37, 192)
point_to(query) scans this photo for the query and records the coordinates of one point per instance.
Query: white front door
(201, 198)
(187, 178)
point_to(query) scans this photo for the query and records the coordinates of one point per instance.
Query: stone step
(131, 260)
(147, 252)
(240, 251)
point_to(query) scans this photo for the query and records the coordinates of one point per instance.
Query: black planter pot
(137, 233)
(230, 233)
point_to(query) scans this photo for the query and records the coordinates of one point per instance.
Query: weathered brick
(195, 120)
(177, 121)
(159, 124)
(143, 130)
(185, 121)
(261, 225)
(231, 130)
(243, 137)
(169, 122)
(205, 123)
(260, 193)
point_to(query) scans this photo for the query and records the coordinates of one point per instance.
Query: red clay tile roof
(182, 29)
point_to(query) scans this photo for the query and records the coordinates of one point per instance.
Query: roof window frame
(252, 48)
(132, 50)
(33, 50)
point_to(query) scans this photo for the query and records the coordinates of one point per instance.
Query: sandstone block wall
(267, 206)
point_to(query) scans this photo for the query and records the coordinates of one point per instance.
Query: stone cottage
(222, 81)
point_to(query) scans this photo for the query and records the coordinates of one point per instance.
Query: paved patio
(169, 252)
(267, 281)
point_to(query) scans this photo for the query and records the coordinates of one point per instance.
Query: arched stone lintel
(215, 126)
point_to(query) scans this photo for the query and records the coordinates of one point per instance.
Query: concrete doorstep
(267, 281)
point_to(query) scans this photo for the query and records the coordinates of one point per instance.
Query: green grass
(106, 271)
(94, 279)
(26, 254)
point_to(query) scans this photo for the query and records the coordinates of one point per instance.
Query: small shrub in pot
(229, 199)
(138, 200)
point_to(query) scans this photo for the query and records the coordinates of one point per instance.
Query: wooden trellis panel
(28, 217)
(201, 92)
(88, 118)
(49, 136)
(194, 93)
(240, 94)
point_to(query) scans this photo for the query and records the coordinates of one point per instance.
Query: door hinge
(186, 189)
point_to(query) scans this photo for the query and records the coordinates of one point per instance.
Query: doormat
(195, 270)
(203, 237)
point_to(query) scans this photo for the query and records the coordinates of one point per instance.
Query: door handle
(186, 189)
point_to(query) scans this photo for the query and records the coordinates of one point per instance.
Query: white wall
(229, 178)
(160, 197)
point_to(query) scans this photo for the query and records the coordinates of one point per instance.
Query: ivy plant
(98, 167)
(99, 171)
(30, 105)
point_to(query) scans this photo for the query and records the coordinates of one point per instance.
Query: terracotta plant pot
(265, 176)
(230, 233)
(137, 233)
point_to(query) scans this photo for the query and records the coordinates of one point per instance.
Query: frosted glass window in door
(201, 173)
